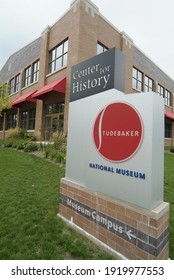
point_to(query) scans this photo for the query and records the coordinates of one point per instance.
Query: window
(27, 76)
(58, 57)
(35, 72)
(168, 130)
(148, 84)
(168, 98)
(24, 119)
(54, 119)
(17, 82)
(28, 119)
(14, 84)
(12, 90)
(31, 74)
(101, 48)
(11, 121)
(32, 116)
(167, 95)
(161, 90)
(137, 79)
(55, 108)
(1, 122)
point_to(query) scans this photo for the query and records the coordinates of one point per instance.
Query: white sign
(116, 146)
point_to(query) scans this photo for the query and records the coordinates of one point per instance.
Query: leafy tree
(5, 101)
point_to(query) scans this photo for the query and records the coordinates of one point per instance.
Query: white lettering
(106, 79)
(124, 133)
(85, 72)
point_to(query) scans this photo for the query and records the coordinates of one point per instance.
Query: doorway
(53, 124)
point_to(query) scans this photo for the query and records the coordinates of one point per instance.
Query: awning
(58, 86)
(169, 115)
(26, 97)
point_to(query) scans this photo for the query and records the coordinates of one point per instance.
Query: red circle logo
(118, 131)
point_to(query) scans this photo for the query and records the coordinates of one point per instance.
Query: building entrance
(53, 124)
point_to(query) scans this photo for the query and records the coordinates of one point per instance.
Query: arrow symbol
(130, 234)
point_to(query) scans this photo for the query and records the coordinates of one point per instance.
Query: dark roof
(20, 60)
(152, 70)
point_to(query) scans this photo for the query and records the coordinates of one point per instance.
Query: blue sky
(150, 23)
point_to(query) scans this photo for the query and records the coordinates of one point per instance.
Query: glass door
(53, 124)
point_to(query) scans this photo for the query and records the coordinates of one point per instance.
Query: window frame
(28, 118)
(161, 90)
(11, 121)
(58, 57)
(31, 73)
(14, 84)
(147, 85)
(168, 130)
(35, 72)
(31, 118)
(168, 98)
(1, 123)
(137, 83)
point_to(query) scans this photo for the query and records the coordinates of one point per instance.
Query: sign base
(128, 230)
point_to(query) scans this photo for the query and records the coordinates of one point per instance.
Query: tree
(5, 100)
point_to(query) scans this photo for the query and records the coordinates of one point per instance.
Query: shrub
(8, 143)
(30, 136)
(14, 144)
(59, 140)
(60, 157)
(53, 154)
(1, 142)
(172, 150)
(21, 145)
(17, 133)
(47, 151)
(31, 147)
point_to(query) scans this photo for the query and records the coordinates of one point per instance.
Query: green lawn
(29, 226)
(169, 195)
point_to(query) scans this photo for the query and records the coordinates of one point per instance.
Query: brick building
(39, 74)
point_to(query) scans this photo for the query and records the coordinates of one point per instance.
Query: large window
(1, 122)
(54, 119)
(27, 76)
(35, 71)
(14, 84)
(101, 48)
(11, 121)
(28, 119)
(148, 84)
(32, 116)
(168, 129)
(161, 90)
(58, 57)
(31, 74)
(168, 98)
(166, 94)
(24, 119)
(137, 79)
(55, 108)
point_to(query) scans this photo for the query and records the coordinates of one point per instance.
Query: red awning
(58, 86)
(169, 115)
(26, 97)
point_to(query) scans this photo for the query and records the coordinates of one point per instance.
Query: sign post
(113, 187)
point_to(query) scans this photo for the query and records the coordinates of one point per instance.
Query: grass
(169, 195)
(29, 226)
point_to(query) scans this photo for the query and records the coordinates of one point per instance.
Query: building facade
(38, 75)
